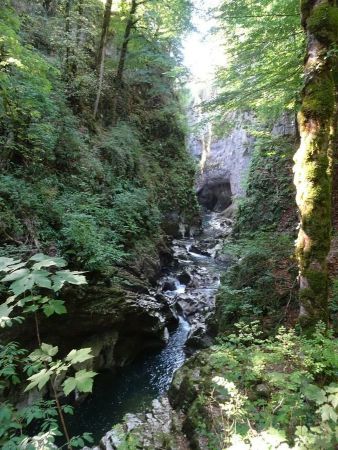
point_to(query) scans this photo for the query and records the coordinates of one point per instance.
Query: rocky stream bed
(135, 397)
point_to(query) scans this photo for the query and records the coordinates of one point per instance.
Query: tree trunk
(79, 35)
(313, 160)
(123, 54)
(47, 6)
(126, 37)
(102, 51)
(67, 30)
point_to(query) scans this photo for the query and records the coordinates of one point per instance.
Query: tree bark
(126, 38)
(47, 6)
(123, 54)
(67, 32)
(313, 160)
(102, 51)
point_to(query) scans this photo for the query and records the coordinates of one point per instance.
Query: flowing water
(131, 389)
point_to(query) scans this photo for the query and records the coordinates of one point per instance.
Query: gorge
(158, 160)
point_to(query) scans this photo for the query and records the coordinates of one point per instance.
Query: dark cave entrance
(215, 196)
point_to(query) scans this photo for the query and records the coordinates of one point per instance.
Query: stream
(192, 282)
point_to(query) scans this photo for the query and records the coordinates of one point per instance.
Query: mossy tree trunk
(313, 160)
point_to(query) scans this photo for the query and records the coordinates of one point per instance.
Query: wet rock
(199, 250)
(169, 285)
(111, 441)
(184, 277)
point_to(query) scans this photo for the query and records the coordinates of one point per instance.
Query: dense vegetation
(94, 164)
(95, 192)
(270, 381)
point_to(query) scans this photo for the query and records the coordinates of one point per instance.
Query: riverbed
(192, 282)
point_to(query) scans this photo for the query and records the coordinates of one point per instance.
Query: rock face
(157, 429)
(224, 162)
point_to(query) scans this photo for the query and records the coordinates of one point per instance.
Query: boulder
(184, 277)
(169, 285)
(200, 251)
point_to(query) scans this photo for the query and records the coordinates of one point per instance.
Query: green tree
(263, 43)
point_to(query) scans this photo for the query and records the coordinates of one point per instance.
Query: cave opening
(215, 196)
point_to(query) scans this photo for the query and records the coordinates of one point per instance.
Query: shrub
(260, 283)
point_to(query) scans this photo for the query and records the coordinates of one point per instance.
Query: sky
(202, 51)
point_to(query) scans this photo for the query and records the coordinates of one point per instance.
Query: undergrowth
(277, 393)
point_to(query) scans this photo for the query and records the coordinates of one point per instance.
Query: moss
(323, 23)
(318, 100)
(305, 7)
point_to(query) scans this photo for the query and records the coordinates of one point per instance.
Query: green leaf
(22, 285)
(39, 379)
(54, 307)
(69, 385)
(314, 393)
(327, 413)
(15, 267)
(332, 388)
(83, 381)
(16, 275)
(88, 437)
(77, 441)
(30, 309)
(79, 356)
(49, 349)
(5, 311)
(41, 278)
(68, 409)
(6, 263)
(333, 399)
(66, 276)
(47, 261)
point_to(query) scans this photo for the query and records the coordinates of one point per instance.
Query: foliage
(268, 204)
(26, 280)
(265, 394)
(260, 284)
(264, 45)
(91, 190)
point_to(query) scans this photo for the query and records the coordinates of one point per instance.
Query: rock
(198, 338)
(229, 213)
(224, 258)
(184, 277)
(171, 224)
(199, 251)
(111, 440)
(169, 285)
(263, 390)
(132, 422)
(229, 157)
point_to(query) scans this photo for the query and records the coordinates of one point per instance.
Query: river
(193, 281)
